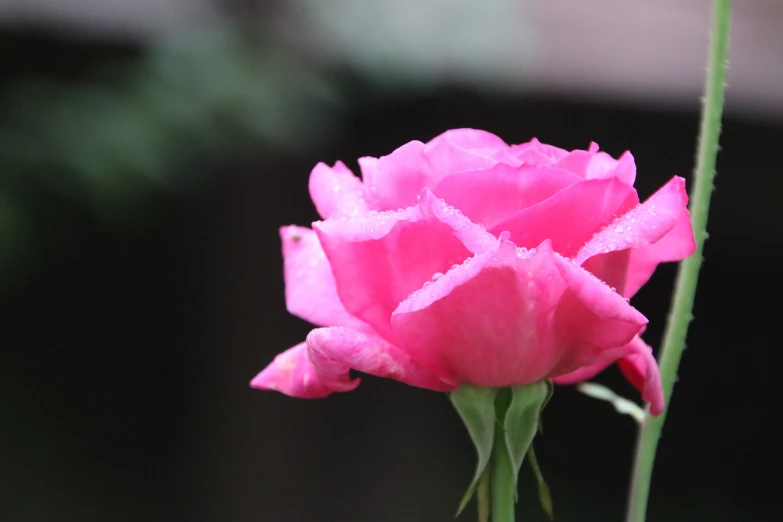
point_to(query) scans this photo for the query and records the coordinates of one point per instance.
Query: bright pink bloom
(466, 260)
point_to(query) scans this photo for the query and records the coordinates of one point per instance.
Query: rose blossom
(466, 260)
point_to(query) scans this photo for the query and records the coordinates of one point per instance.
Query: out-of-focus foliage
(419, 42)
(128, 131)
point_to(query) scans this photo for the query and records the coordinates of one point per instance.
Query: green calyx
(502, 423)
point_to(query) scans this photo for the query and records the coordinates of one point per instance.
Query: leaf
(550, 392)
(521, 421)
(621, 404)
(476, 407)
(482, 497)
(544, 495)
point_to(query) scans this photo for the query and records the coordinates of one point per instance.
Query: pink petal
(611, 268)
(570, 217)
(678, 244)
(480, 141)
(513, 317)
(335, 351)
(380, 258)
(394, 181)
(582, 374)
(639, 367)
(459, 150)
(641, 370)
(336, 192)
(495, 194)
(657, 230)
(293, 374)
(602, 165)
(591, 164)
(536, 153)
(310, 291)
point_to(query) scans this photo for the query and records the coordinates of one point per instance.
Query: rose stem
(688, 273)
(502, 487)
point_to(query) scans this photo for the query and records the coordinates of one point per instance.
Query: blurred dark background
(150, 150)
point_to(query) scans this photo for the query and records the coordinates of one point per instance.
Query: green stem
(687, 277)
(502, 487)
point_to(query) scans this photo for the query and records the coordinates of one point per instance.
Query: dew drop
(436, 276)
(628, 239)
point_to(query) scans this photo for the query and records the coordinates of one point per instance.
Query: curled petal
(592, 317)
(642, 225)
(658, 230)
(310, 291)
(336, 192)
(293, 374)
(335, 351)
(570, 217)
(611, 268)
(637, 364)
(513, 317)
(678, 244)
(641, 370)
(379, 259)
(582, 374)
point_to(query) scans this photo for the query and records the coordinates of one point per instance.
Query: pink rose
(466, 260)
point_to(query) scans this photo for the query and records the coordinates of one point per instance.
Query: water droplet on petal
(436, 276)
(505, 235)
